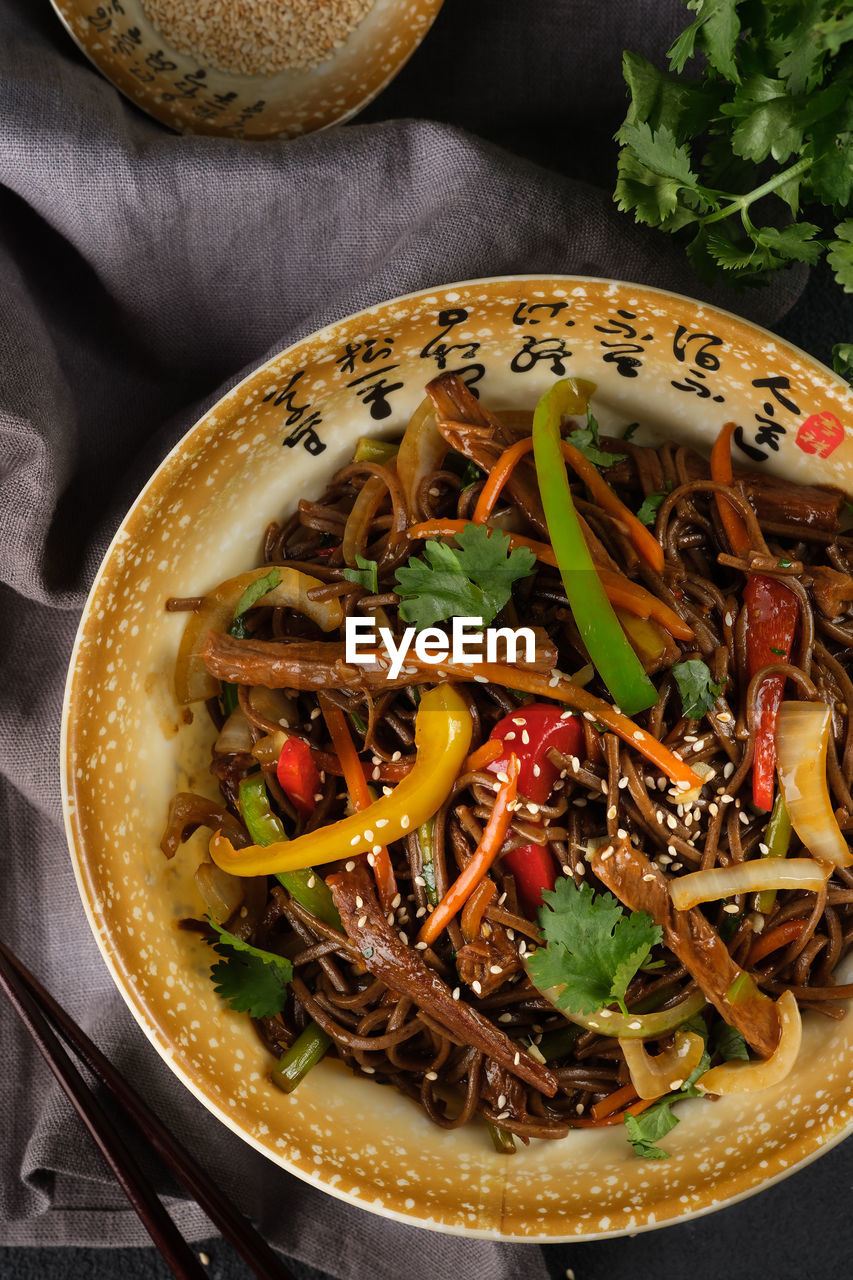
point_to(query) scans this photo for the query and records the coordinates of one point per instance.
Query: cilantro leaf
(835, 32)
(715, 30)
(473, 579)
(593, 949)
(650, 506)
(630, 430)
(840, 256)
(471, 474)
(251, 980)
(656, 97)
(646, 1129)
(366, 575)
(794, 242)
(658, 152)
(729, 1043)
(588, 442)
(842, 359)
(698, 691)
(769, 121)
(832, 174)
(255, 591)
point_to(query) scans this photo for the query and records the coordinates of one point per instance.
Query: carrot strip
(721, 471)
(776, 938)
(587, 1122)
(498, 476)
(645, 542)
(484, 855)
(625, 594)
(620, 590)
(491, 750)
(353, 772)
(561, 689)
(616, 1101)
(474, 909)
(441, 528)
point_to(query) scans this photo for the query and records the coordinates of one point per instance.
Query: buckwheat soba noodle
(554, 884)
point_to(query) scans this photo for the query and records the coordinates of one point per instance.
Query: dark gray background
(536, 88)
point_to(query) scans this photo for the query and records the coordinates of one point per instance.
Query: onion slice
(749, 1077)
(654, 1076)
(370, 497)
(223, 894)
(802, 738)
(193, 681)
(747, 877)
(234, 736)
(422, 450)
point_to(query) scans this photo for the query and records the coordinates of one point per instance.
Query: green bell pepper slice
(609, 648)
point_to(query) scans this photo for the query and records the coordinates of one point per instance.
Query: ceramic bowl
(192, 97)
(680, 369)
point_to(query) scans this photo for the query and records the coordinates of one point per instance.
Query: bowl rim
(137, 1010)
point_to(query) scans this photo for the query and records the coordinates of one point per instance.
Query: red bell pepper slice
(530, 733)
(771, 621)
(298, 775)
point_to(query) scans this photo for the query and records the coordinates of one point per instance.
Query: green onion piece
(426, 838)
(237, 629)
(777, 838)
(265, 827)
(503, 1140)
(558, 1043)
(606, 642)
(359, 722)
(311, 892)
(305, 1052)
(228, 698)
(369, 450)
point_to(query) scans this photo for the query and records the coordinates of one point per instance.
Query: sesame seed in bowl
(257, 37)
(249, 68)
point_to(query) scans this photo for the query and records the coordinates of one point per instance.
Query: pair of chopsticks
(43, 1018)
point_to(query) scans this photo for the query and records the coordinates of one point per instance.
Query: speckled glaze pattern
(677, 367)
(175, 88)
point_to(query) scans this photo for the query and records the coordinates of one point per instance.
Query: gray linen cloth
(141, 274)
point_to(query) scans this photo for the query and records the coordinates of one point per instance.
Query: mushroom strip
(403, 970)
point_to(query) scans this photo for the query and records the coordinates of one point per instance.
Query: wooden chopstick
(32, 1002)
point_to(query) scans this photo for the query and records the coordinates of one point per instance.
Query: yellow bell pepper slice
(442, 736)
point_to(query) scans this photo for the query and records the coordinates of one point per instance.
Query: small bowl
(188, 95)
(676, 365)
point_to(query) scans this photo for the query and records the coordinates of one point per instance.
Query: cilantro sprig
(587, 440)
(593, 950)
(473, 579)
(698, 691)
(842, 359)
(645, 1130)
(731, 157)
(251, 980)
